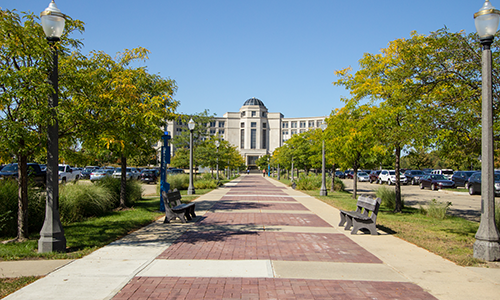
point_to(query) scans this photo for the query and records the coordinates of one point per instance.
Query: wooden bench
(174, 208)
(361, 218)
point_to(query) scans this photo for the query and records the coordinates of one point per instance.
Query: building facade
(254, 130)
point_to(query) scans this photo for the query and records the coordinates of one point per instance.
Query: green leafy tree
(24, 91)
(133, 106)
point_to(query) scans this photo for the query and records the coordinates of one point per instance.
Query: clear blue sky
(284, 52)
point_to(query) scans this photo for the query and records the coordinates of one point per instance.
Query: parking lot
(463, 204)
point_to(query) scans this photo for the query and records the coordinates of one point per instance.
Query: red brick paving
(283, 246)
(222, 205)
(266, 288)
(278, 219)
(256, 198)
(255, 192)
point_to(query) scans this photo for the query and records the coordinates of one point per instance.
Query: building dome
(254, 101)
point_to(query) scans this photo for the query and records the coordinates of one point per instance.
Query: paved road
(463, 204)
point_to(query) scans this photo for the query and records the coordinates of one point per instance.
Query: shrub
(112, 185)
(338, 185)
(9, 208)
(437, 209)
(205, 184)
(179, 181)
(77, 202)
(388, 197)
(307, 183)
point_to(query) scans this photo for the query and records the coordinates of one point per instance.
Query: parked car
(448, 173)
(389, 177)
(461, 178)
(100, 174)
(34, 172)
(339, 174)
(68, 173)
(413, 176)
(363, 176)
(474, 185)
(374, 176)
(435, 182)
(148, 176)
(174, 171)
(349, 175)
(85, 173)
(130, 173)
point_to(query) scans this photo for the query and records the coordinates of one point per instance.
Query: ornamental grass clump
(78, 202)
(338, 185)
(9, 208)
(436, 209)
(388, 197)
(178, 181)
(308, 183)
(112, 185)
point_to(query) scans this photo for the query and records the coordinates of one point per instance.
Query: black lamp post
(487, 245)
(191, 126)
(323, 191)
(217, 144)
(52, 233)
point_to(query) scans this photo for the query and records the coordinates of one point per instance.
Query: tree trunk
(22, 200)
(355, 183)
(399, 204)
(123, 182)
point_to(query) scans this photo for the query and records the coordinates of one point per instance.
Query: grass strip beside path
(452, 238)
(10, 285)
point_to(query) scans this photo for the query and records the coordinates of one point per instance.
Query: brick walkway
(206, 242)
(266, 288)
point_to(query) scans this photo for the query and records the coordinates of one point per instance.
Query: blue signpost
(165, 159)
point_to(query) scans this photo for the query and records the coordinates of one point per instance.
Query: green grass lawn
(86, 236)
(452, 238)
(10, 285)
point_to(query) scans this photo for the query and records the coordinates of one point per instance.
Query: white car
(389, 177)
(363, 176)
(131, 173)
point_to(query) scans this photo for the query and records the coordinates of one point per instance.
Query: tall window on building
(284, 125)
(253, 139)
(264, 125)
(253, 124)
(242, 114)
(212, 124)
(222, 123)
(318, 123)
(242, 139)
(264, 139)
(302, 124)
(254, 113)
(311, 123)
(242, 125)
(294, 131)
(294, 124)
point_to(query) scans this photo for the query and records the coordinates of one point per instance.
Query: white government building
(253, 130)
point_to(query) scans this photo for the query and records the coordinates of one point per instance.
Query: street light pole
(217, 144)
(323, 191)
(487, 245)
(52, 233)
(191, 190)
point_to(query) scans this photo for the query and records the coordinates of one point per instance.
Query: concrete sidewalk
(258, 239)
